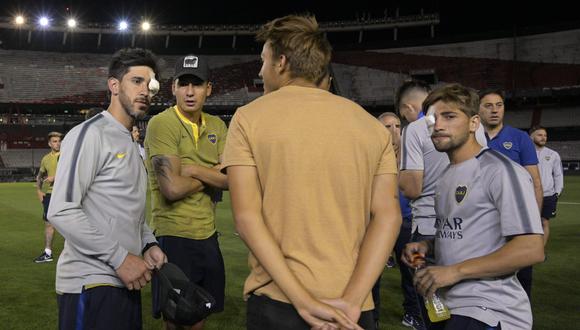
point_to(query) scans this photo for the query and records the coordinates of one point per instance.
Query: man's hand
(322, 316)
(134, 272)
(40, 195)
(412, 250)
(155, 257)
(428, 280)
(350, 310)
(49, 179)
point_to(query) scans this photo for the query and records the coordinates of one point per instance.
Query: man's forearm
(381, 234)
(520, 252)
(210, 176)
(172, 185)
(377, 245)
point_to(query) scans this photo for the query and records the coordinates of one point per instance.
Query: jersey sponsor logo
(508, 145)
(547, 158)
(212, 138)
(121, 155)
(449, 228)
(460, 193)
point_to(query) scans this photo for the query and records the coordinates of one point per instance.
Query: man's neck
(194, 117)
(300, 82)
(538, 148)
(492, 131)
(465, 152)
(121, 115)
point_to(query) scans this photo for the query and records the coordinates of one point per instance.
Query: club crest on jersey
(547, 158)
(507, 145)
(212, 138)
(460, 193)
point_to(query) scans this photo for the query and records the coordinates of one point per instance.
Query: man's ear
(282, 63)
(209, 89)
(474, 123)
(113, 85)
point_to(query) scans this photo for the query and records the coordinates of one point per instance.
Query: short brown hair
(487, 91)
(537, 128)
(464, 98)
(301, 41)
(54, 134)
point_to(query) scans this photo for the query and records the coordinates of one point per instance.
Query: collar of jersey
(195, 128)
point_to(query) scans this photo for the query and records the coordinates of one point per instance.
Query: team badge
(507, 145)
(212, 138)
(460, 193)
(547, 158)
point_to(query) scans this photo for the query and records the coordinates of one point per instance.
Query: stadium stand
(542, 81)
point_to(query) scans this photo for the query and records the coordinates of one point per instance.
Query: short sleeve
(161, 138)
(388, 160)
(43, 168)
(512, 191)
(237, 150)
(411, 149)
(223, 132)
(528, 154)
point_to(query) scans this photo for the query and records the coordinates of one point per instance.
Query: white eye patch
(153, 85)
(430, 119)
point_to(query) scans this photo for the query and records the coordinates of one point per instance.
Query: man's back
(316, 155)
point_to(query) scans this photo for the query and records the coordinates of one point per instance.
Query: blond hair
(54, 134)
(299, 39)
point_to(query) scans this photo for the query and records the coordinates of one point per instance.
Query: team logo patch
(190, 61)
(507, 145)
(121, 155)
(212, 138)
(547, 158)
(460, 193)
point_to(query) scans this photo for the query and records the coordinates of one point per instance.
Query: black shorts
(100, 308)
(263, 313)
(549, 206)
(201, 261)
(45, 203)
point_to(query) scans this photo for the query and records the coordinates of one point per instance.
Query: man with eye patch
(98, 205)
(184, 145)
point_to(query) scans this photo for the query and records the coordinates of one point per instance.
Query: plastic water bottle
(436, 309)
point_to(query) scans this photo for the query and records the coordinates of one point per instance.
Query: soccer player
(184, 147)
(551, 175)
(98, 205)
(516, 145)
(44, 183)
(482, 239)
(312, 178)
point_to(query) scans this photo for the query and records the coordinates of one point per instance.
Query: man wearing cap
(183, 147)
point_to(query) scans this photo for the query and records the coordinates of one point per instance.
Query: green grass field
(27, 296)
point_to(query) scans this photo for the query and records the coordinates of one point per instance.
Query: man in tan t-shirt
(313, 183)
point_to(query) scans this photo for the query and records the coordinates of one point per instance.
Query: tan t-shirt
(316, 155)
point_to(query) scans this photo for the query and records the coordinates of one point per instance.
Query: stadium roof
(456, 16)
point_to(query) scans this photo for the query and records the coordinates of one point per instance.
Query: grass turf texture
(27, 296)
